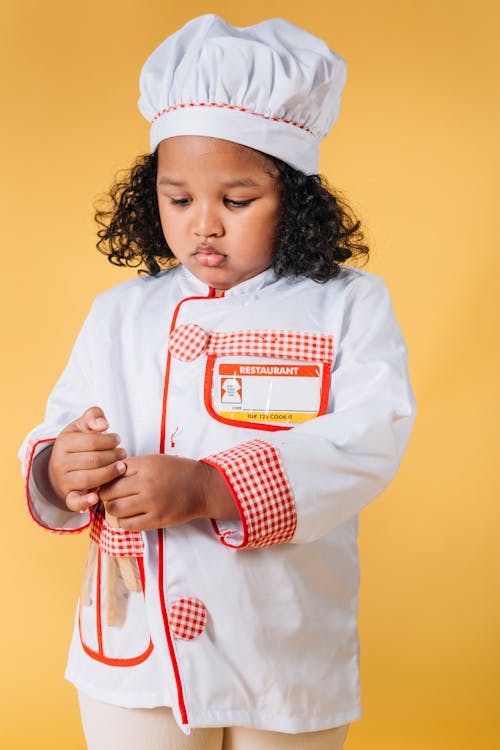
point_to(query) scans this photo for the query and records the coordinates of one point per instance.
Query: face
(219, 205)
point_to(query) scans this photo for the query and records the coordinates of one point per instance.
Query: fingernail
(100, 422)
(122, 453)
(120, 466)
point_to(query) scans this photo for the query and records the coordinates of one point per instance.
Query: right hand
(84, 457)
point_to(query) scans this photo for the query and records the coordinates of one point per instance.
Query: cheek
(169, 224)
(270, 226)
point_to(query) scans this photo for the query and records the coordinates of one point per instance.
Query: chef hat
(272, 86)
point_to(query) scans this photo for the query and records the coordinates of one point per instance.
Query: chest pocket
(267, 379)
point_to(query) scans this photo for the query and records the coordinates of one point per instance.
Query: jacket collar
(193, 287)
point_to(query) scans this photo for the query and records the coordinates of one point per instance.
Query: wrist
(217, 498)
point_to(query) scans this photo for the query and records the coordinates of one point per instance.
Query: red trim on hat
(224, 105)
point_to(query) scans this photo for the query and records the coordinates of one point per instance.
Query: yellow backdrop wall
(415, 150)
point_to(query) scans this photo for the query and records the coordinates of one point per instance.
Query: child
(223, 419)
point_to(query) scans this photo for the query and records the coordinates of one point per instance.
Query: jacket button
(187, 342)
(187, 618)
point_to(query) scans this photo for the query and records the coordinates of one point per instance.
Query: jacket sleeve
(72, 394)
(298, 485)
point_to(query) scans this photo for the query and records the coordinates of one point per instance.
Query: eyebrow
(246, 182)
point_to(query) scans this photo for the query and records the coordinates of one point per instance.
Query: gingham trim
(262, 492)
(314, 347)
(187, 618)
(187, 342)
(115, 542)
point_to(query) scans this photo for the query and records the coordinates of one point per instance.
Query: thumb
(80, 500)
(92, 420)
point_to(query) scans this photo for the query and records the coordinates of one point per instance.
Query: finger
(83, 479)
(125, 507)
(121, 488)
(85, 442)
(92, 419)
(95, 459)
(142, 522)
(81, 501)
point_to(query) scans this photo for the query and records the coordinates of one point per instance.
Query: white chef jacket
(298, 392)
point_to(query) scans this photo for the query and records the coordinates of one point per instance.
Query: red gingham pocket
(187, 618)
(187, 342)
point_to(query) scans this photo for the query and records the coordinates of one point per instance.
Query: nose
(207, 222)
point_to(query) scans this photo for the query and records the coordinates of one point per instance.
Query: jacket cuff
(41, 509)
(262, 494)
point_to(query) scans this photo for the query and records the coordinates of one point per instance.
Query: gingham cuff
(262, 494)
(41, 509)
(115, 542)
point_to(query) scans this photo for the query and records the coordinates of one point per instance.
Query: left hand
(159, 491)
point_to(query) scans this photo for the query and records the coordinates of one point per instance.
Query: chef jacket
(298, 393)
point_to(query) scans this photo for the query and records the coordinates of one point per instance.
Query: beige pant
(109, 727)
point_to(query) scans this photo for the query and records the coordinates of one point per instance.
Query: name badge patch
(279, 394)
(268, 380)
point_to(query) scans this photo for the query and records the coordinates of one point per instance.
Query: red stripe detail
(325, 391)
(142, 575)
(175, 666)
(98, 604)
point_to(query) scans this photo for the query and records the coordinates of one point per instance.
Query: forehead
(190, 153)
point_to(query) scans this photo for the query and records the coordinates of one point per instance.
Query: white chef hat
(272, 86)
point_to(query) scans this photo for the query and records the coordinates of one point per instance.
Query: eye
(179, 201)
(239, 204)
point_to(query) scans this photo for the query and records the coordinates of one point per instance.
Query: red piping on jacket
(98, 604)
(161, 567)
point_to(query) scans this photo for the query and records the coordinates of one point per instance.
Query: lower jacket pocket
(112, 616)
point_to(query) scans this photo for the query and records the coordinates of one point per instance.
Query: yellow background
(415, 149)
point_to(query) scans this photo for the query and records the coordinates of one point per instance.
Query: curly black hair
(316, 228)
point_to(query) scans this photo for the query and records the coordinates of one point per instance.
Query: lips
(206, 255)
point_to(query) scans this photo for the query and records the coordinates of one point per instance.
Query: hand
(159, 491)
(84, 457)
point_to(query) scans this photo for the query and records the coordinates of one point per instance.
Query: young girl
(223, 418)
